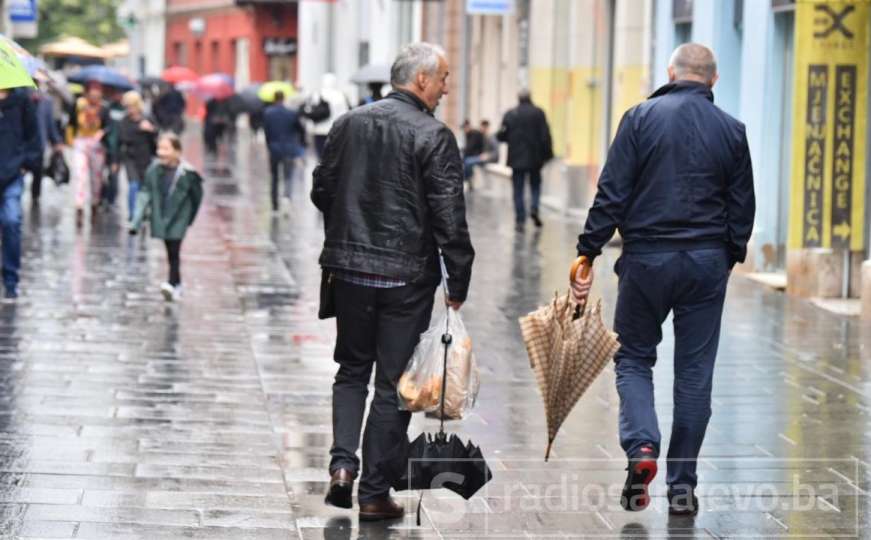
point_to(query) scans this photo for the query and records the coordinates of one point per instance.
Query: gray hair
(412, 59)
(694, 59)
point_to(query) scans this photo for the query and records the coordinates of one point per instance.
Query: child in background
(172, 191)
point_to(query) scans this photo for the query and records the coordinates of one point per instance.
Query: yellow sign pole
(830, 119)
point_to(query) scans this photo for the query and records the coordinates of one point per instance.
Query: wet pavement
(122, 416)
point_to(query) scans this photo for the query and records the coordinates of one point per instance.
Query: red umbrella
(177, 74)
(215, 85)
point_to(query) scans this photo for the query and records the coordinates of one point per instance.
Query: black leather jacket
(390, 185)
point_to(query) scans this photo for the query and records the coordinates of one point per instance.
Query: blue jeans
(132, 192)
(10, 224)
(692, 285)
(469, 164)
(518, 177)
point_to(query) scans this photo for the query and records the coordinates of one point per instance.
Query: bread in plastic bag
(420, 386)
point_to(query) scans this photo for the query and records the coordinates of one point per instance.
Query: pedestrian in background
(525, 130)
(329, 101)
(112, 144)
(172, 194)
(89, 154)
(19, 142)
(138, 145)
(169, 110)
(473, 147)
(678, 184)
(390, 186)
(49, 135)
(284, 136)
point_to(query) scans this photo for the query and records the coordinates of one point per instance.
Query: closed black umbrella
(438, 460)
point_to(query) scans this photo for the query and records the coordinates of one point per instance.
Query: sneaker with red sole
(642, 469)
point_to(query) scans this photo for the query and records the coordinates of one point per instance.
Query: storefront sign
(279, 46)
(489, 7)
(23, 15)
(830, 112)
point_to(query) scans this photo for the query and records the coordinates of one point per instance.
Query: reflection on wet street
(122, 416)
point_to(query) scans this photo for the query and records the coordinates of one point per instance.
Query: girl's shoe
(176, 293)
(168, 292)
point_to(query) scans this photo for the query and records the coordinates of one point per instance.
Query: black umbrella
(438, 460)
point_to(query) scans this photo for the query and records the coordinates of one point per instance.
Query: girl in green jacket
(171, 193)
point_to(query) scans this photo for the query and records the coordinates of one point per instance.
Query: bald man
(678, 185)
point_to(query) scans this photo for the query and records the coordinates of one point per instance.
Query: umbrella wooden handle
(581, 261)
(584, 264)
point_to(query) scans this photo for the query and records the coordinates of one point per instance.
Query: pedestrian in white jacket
(338, 105)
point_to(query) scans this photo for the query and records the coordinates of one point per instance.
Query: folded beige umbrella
(568, 348)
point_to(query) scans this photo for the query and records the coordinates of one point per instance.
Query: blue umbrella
(103, 75)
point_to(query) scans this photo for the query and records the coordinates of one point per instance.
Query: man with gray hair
(678, 184)
(390, 186)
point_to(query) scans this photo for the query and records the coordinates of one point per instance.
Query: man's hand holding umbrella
(581, 279)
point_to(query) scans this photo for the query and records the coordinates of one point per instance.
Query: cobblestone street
(122, 416)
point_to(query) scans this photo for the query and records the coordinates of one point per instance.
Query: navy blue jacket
(19, 135)
(677, 177)
(283, 131)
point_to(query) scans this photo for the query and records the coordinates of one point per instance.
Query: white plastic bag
(420, 387)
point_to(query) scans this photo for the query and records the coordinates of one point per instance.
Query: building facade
(796, 73)
(145, 23)
(584, 61)
(251, 40)
(341, 36)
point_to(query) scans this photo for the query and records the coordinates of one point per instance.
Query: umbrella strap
(446, 339)
(419, 503)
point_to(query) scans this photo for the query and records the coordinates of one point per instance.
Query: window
(178, 53)
(683, 33)
(216, 56)
(738, 15)
(682, 11)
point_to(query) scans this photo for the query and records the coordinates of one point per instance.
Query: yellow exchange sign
(830, 119)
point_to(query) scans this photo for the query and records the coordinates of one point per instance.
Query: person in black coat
(284, 136)
(525, 130)
(390, 186)
(678, 184)
(169, 110)
(137, 138)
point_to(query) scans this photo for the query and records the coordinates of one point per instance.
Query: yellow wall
(574, 111)
(630, 89)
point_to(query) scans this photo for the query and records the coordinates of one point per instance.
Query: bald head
(693, 62)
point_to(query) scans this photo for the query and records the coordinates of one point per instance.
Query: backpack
(317, 112)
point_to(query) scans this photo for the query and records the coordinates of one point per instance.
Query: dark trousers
(518, 178)
(173, 255)
(111, 190)
(36, 184)
(375, 328)
(692, 285)
(286, 164)
(320, 143)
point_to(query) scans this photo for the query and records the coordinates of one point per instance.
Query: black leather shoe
(341, 485)
(536, 220)
(642, 470)
(682, 502)
(381, 509)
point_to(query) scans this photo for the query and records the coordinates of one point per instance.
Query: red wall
(224, 26)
